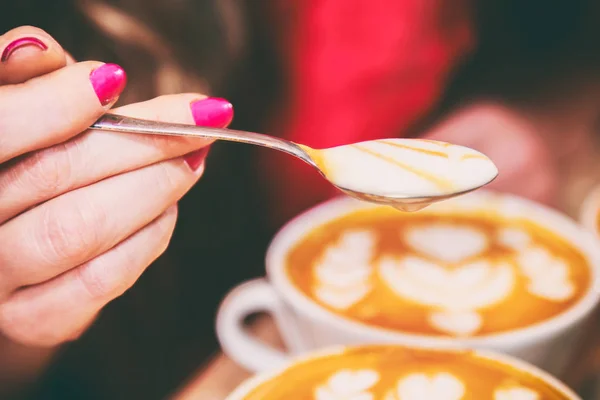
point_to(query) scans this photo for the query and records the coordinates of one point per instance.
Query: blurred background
(322, 73)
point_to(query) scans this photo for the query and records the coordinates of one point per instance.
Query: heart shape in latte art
(348, 385)
(441, 386)
(461, 323)
(516, 393)
(454, 294)
(548, 275)
(514, 239)
(432, 241)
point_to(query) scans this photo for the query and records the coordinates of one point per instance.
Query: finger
(55, 107)
(93, 156)
(78, 226)
(27, 52)
(70, 58)
(59, 310)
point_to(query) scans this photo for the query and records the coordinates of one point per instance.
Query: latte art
(348, 384)
(343, 274)
(442, 386)
(453, 295)
(516, 393)
(397, 373)
(453, 274)
(432, 241)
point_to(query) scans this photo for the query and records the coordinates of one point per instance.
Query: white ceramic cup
(590, 210)
(249, 385)
(305, 325)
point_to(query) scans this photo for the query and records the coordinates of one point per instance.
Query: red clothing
(359, 70)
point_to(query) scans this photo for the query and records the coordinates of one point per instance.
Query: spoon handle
(119, 123)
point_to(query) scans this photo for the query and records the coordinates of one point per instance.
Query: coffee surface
(396, 373)
(443, 274)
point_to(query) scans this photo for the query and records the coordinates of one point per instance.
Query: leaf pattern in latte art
(344, 271)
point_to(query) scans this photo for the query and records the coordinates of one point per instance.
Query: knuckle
(166, 177)
(69, 231)
(97, 280)
(49, 171)
(102, 278)
(25, 326)
(13, 324)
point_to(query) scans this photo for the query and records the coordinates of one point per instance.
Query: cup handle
(246, 299)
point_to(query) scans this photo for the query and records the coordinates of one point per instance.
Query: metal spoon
(408, 174)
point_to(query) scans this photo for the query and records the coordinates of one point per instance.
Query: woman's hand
(525, 163)
(82, 213)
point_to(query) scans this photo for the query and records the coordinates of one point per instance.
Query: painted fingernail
(195, 159)
(213, 112)
(108, 81)
(19, 44)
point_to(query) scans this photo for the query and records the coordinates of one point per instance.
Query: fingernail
(195, 159)
(20, 43)
(108, 81)
(213, 112)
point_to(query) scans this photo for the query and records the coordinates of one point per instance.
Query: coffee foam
(456, 294)
(516, 393)
(433, 241)
(548, 275)
(397, 373)
(343, 273)
(348, 384)
(459, 323)
(441, 385)
(406, 167)
(515, 239)
(458, 274)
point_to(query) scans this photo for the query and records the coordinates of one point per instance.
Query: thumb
(28, 52)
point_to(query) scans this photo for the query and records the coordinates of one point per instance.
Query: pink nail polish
(20, 43)
(108, 81)
(213, 112)
(195, 159)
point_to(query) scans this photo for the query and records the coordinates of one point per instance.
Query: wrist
(21, 365)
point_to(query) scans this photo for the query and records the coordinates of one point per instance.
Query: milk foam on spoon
(405, 167)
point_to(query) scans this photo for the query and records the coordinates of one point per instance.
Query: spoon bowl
(408, 174)
(406, 204)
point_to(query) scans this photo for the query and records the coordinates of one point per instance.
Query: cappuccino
(399, 373)
(443, 274)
